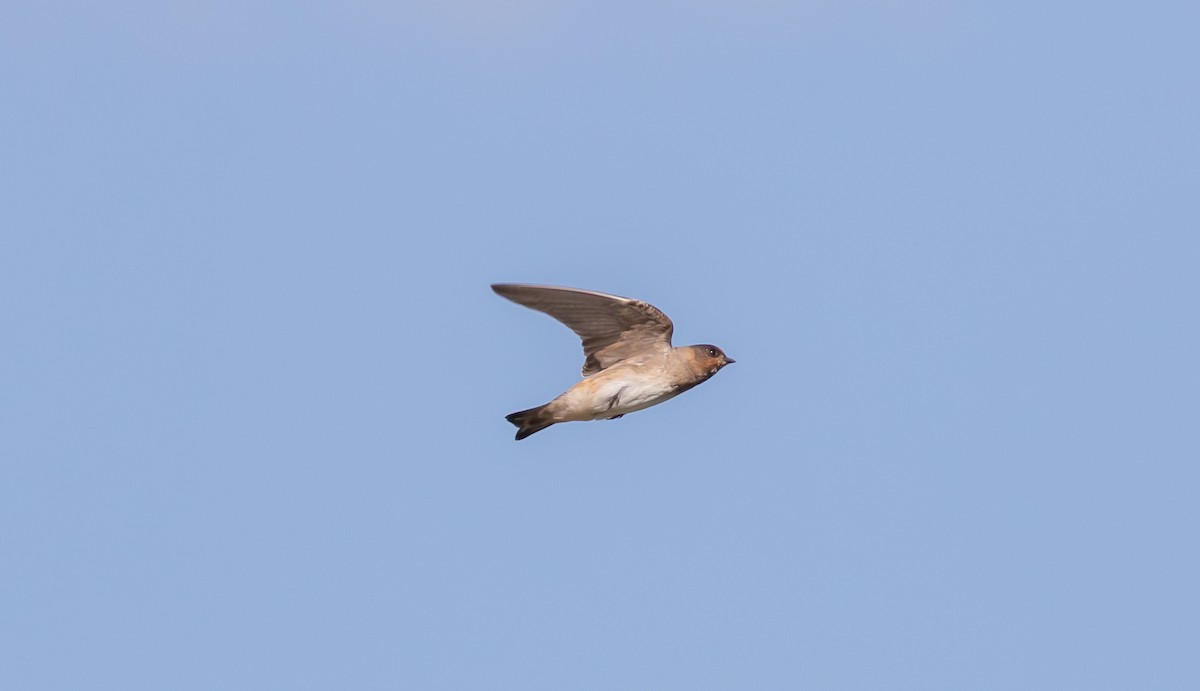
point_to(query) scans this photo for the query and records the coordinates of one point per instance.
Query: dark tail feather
(530, 421)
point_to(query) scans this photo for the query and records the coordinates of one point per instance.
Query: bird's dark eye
(712, 352)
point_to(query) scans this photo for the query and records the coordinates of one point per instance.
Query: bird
(629, 362)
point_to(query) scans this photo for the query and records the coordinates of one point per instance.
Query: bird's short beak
(729, 361)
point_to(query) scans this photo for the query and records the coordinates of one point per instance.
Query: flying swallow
(629, 362)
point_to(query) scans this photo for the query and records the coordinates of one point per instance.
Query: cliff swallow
(629, 362)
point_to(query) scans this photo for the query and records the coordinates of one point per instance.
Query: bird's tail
(530, 421)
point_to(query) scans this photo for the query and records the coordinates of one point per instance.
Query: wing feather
(611, 327)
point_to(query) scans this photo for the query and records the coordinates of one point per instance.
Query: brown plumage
(629, 362)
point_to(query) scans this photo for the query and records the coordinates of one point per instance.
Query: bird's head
(709, 358)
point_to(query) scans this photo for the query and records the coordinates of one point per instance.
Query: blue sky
(254, 380)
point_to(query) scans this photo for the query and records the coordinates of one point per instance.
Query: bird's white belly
(625, 395)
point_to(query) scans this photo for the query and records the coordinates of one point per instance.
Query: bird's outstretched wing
(612, 328)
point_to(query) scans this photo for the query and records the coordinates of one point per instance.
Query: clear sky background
(252, 378)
